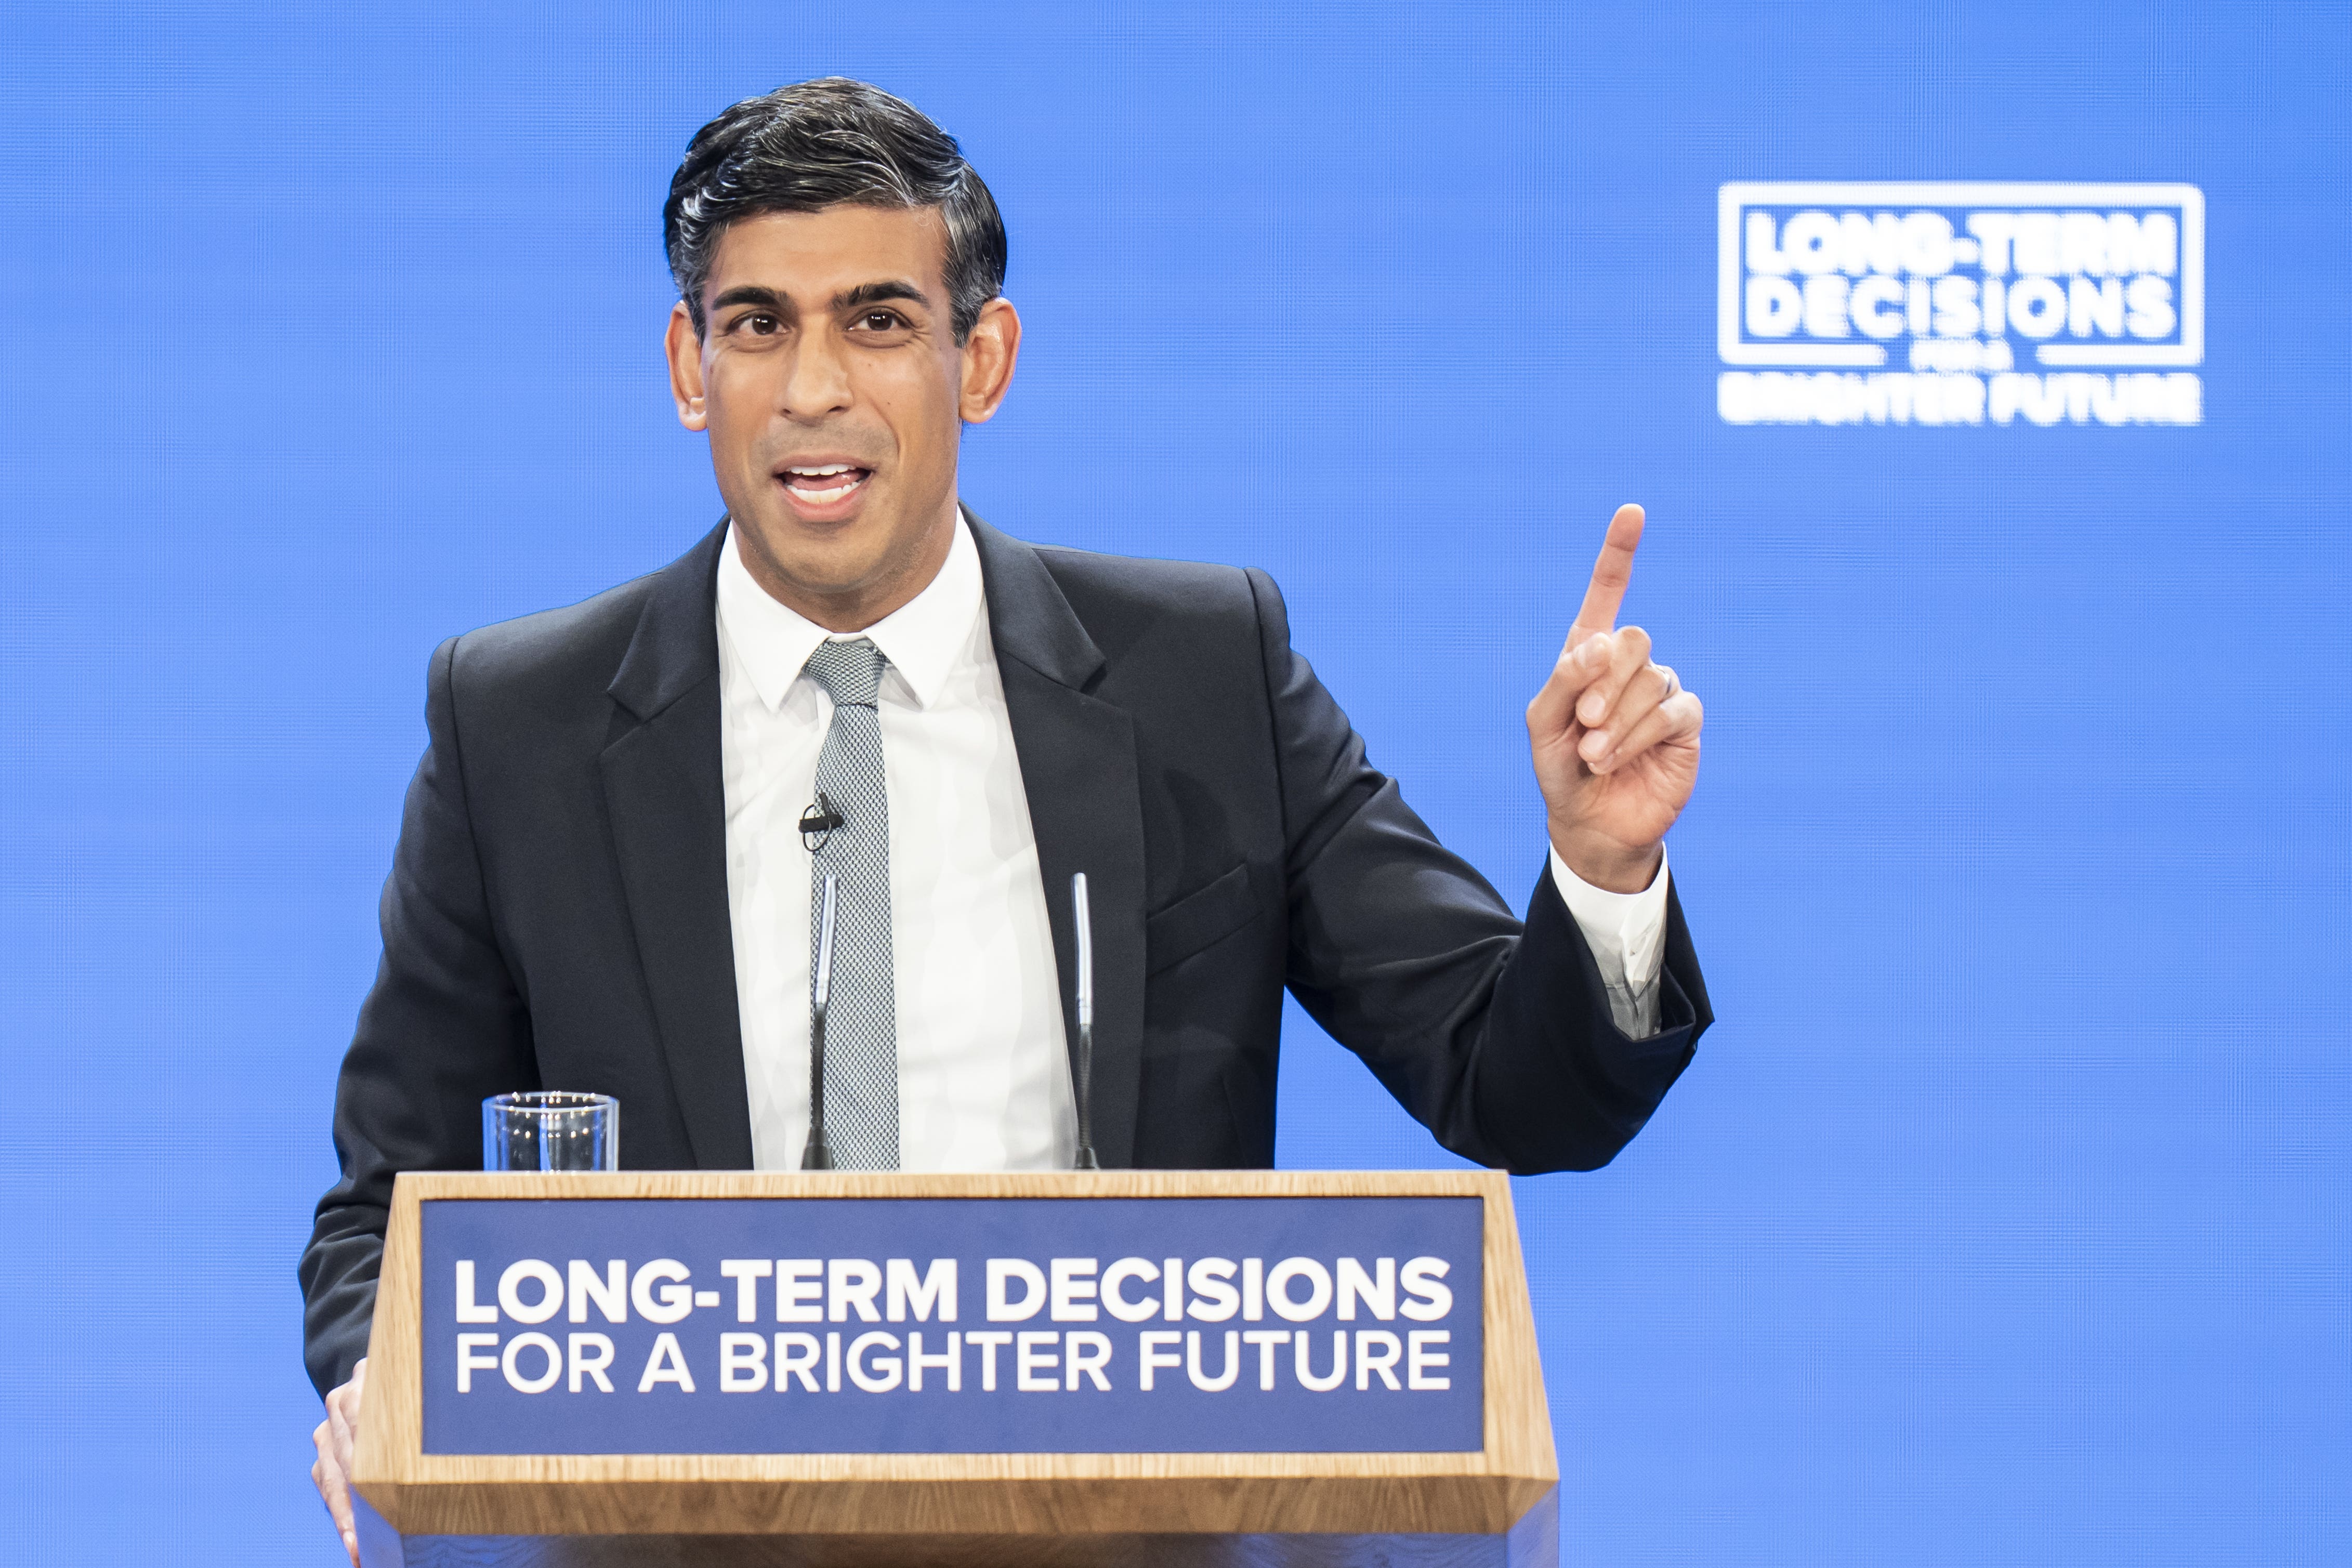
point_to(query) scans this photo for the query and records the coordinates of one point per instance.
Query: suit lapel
(1077, 766)
(665, 798)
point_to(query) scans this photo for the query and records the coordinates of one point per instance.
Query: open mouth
(825, 485)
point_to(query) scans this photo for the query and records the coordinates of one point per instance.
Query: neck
(856, 608)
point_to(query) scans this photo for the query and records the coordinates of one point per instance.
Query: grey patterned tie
(861, 1051)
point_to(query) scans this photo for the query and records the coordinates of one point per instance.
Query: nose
(817, 385)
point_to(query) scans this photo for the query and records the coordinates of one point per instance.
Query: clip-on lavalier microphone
(819, 821)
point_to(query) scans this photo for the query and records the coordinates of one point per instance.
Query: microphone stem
(817, 1155)
(1085, 1159)
(1082, 917)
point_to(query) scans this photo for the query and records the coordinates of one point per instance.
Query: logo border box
(1735, 196)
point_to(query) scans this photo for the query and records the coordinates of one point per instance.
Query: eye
(760, 323)
(881, 320)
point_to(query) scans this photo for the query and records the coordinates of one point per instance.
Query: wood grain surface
(1483, 1493)
(1532, 1542)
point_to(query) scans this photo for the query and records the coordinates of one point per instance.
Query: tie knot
(849, 672)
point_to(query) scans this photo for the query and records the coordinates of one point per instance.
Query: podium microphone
(818, 1154)
(1084, 921)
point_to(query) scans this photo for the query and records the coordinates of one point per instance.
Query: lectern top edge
(435, 1186)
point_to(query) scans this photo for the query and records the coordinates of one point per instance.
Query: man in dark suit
(595, 888)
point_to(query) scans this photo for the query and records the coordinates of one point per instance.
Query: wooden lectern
(493, 1445)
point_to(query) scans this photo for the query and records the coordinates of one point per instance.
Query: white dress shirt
(983, 1069)
(1627, 934)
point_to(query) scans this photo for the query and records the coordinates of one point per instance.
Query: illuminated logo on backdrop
(1961, 304)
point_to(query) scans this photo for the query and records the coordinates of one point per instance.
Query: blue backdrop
(2004, 1215)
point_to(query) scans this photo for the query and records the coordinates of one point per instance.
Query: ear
(685, 350)
(988, 359)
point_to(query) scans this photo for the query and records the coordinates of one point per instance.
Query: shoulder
(661, 627)
(576, 648)
(1119, 598)
(1153, 622)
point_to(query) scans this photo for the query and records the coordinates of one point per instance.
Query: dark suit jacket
(557, 913)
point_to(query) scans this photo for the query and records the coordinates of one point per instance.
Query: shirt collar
(922, 638)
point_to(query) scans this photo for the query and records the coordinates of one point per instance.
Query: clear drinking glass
(550, 1130)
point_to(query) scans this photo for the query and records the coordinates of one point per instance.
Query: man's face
(828, 377)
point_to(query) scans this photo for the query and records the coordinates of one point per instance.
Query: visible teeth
(828, 468)
(826, 498)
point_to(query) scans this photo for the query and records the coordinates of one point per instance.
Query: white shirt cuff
(1627, 934)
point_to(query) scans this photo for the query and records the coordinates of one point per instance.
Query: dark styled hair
(823, 143)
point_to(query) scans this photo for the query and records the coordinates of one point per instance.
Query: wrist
(1607, 863)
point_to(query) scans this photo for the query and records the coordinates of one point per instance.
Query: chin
(829, 559)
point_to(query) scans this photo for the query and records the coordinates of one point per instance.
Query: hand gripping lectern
(803, 1370)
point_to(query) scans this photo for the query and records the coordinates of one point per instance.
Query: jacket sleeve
(443, 1027)
(1495, 1035)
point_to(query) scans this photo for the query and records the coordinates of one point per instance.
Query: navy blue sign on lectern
(952, 1326)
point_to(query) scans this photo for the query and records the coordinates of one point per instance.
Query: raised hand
(1614, 737)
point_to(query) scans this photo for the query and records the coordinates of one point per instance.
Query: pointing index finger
(1611, 574)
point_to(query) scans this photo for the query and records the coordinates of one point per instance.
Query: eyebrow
(875, 293)
(848, 299)
(752, 293)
